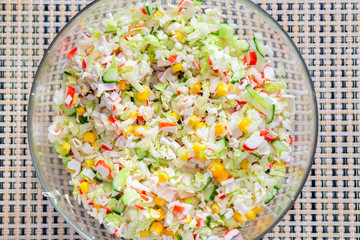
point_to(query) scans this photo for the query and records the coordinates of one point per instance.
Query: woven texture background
(327, 35)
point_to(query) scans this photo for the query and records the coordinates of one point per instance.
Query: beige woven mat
(327, 34)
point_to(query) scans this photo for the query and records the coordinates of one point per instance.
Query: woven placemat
(327, 35)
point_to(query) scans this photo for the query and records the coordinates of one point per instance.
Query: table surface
(327, 35)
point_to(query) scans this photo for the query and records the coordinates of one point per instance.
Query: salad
(170, 126)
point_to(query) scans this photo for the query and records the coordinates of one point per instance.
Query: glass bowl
(249, 19)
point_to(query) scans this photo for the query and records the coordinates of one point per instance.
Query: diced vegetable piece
(112, 74)
(210, 192)
(268, 197)
(120, 179)
(279, 147)
(129, 195)
(260, 47)
(260, 103)
(70, 112)
(226, 31)
(114, 218)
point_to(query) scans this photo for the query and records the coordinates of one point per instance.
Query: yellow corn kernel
(142, 96)
(170, 233)
(122, 85)
(89, 163)
(243, 124)
(282, 164)
(230, 86)
(193, 120)
(215, 208)
(201, 157)
(215, 168)
(177, 67)
(184, 154)
(128, 130)
(199, 147)
(96, 35)
(133, 114)
(163, 177)
(162, 214)
(76, 97)
(222, 89)
(80, 111)
(70, 170)
(189, 219)
(220, 128)
(97, 206)
(159, 201)
(84, 187)
(133, 10)
(179, 36)
(239, 217)
(256, 210)
(89, 137)
(224, 175)
(175, 115)
(199, 125)
(245, 164)
(156, 229)
(190, 200)
(195, 89)
(137, 132)
(250, 215)
(144, 233)
(65, 148)
(159, 13)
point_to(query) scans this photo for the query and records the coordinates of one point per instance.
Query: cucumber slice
(98, 177)
(119, 208)
(260, 47)
(83, 119)
(70, 112)
(268, 197)
(279, 181)
(208, 181)
(141, 154)
(210, 192)
(220, 145)
(241, 46)
(279, 147)
(114, 218)
(147, 9)
(120, 179)
(107, 188)
(129, 195)
(112, 204)
(226, 31)
(180, 238)
(112, 74)
(263, 104)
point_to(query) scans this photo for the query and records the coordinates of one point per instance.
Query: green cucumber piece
(129, 195)
(147, 9)
(208, 181)
(279, 147)
(260, 47)
(141, 154)
(268, 197)
(83, 119)
(67, 73)
(119, 208)
(70, 112)
(210, 192)
(279, 181)
(241, 46)
(112, 74)
(107, 188)
(114, 218)
(226, 31)
(180, 238)
(98, 177)
(263, 104)
(220, 145)
(120, 179)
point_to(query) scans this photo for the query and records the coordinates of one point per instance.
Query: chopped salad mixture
(171, 126)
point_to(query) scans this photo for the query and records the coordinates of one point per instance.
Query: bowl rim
(279, 29)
